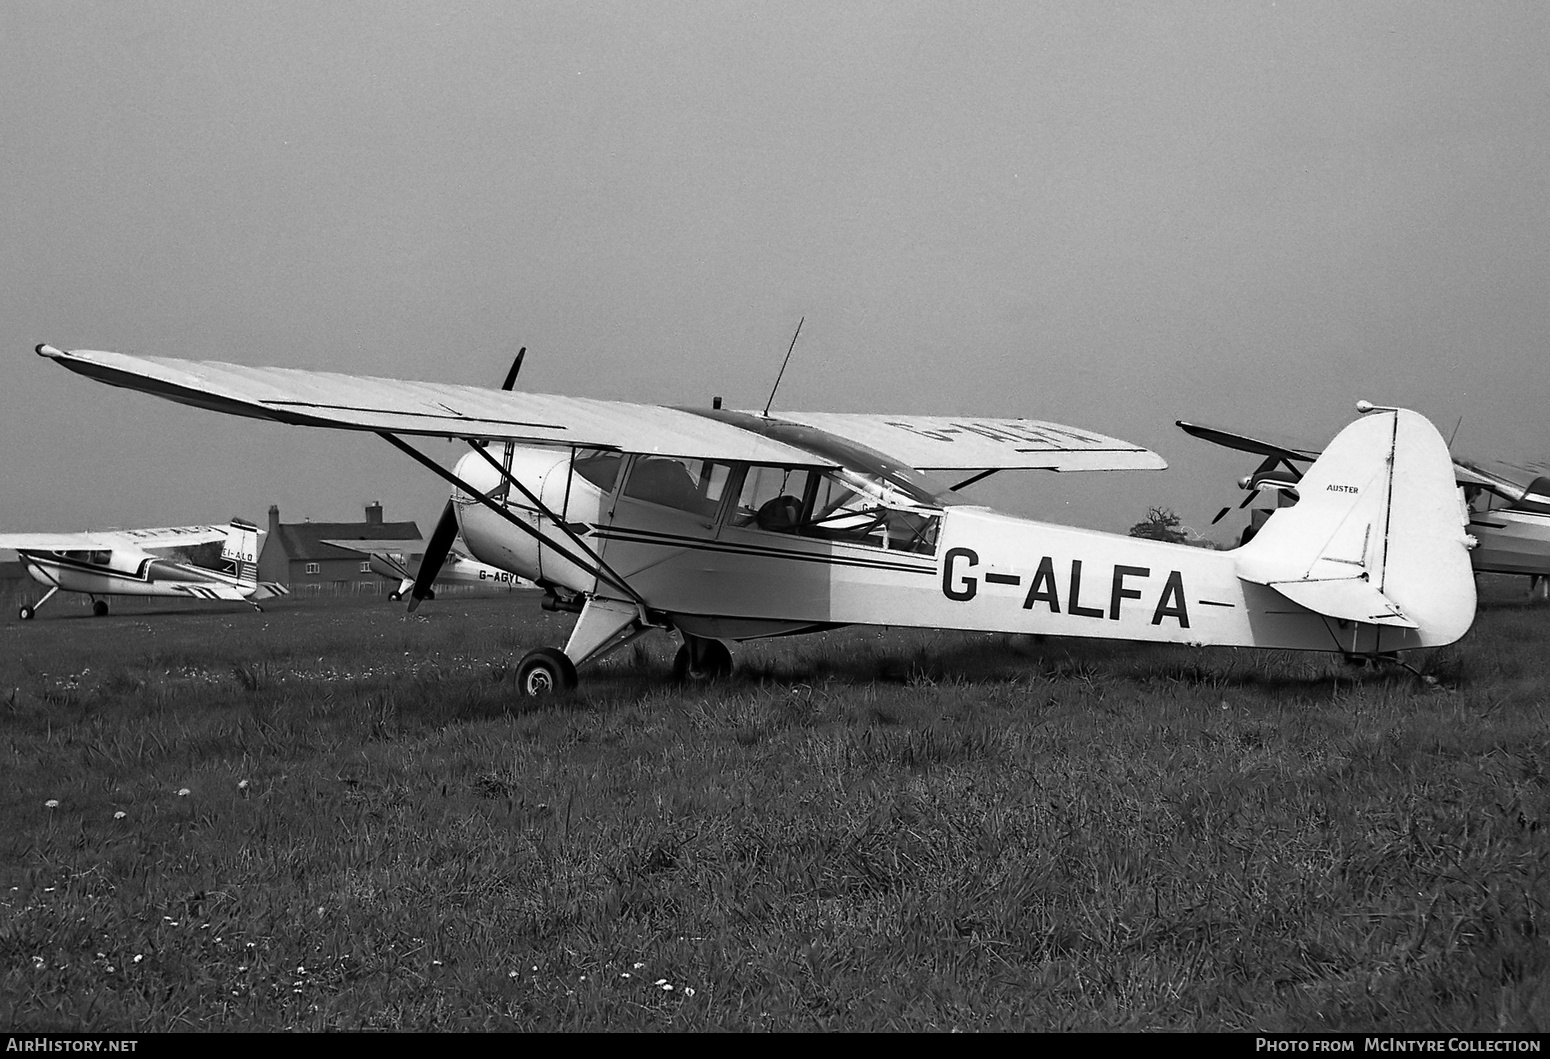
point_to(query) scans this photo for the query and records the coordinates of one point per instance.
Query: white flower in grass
(242, 785)
(120, 815)
(52, 803)
(184, 792)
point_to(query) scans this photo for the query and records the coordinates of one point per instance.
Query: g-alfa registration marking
(963, 586)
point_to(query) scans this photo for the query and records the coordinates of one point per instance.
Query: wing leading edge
(397, 406)
(353, 402)
(168, 537)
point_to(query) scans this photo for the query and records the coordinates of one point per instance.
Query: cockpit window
(599, 467)
(852, 507)
(688, 485)
(841, 505)
(773, 498)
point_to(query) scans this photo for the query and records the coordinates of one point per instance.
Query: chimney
(274, 521)
(374, 513)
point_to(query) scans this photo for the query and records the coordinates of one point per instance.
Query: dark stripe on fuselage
(140, 575)
(670, 540)
(65, 562)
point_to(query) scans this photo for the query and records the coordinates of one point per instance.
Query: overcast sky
(1106, 215)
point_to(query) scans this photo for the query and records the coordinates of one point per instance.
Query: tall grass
(336, 816)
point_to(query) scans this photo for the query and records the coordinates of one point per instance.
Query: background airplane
(1509, 520)
(724, 525)
(389, 559)
(143, 562)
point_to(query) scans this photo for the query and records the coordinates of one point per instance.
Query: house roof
(305, 540)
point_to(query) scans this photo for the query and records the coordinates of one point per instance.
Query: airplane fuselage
(711, 571)
(1511, 542)
(117, 573)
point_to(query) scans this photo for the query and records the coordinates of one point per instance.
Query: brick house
(294, 553)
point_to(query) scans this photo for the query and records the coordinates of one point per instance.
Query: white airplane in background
(1510, 521)
(726, 525)
(389, 559)
(142, 562)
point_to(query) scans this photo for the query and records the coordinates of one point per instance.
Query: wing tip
(46, 350)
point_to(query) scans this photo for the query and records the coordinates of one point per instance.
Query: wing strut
(601, 568)
(970, 481)
(597, 566)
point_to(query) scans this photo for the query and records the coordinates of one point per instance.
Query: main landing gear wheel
(701, 660)
(99, 607)
(545, 672)
(26, 613)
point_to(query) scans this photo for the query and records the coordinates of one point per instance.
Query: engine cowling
(547, 474)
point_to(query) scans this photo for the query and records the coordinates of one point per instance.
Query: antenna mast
(783, 366)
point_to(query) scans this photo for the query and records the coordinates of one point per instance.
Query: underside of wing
(397, 406)
(960, 443)
(167, 537)
(1470, 473)
(1244, 443)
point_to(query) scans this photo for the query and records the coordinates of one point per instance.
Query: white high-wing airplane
(106, 563)
(389, 559)
(1509, 521)
(727, 525)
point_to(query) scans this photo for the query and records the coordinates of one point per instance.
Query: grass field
(335, 816)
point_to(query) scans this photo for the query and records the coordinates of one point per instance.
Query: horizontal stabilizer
(1350, 599)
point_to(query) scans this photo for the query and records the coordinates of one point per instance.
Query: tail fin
(1377, 536)
(241, 550)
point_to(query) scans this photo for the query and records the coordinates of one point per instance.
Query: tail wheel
(99, 607)
(545, 672)
(700, 660)
(26, 613)
(395, 595)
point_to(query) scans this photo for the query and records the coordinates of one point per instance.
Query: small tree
(1161, 525)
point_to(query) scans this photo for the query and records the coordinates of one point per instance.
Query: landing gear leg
(701, 660)
(27, 613)
(605, 625)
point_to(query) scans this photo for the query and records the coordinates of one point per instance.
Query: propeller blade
(516, 366)
(1221, 515)
(1249, 500)
(435, 554)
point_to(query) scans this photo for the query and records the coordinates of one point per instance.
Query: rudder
(241, 550)
(1377, 535)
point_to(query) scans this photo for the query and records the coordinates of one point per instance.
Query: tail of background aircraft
(241, 550)
(1377, 535)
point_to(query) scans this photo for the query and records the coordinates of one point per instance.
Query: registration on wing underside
(978, 442)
